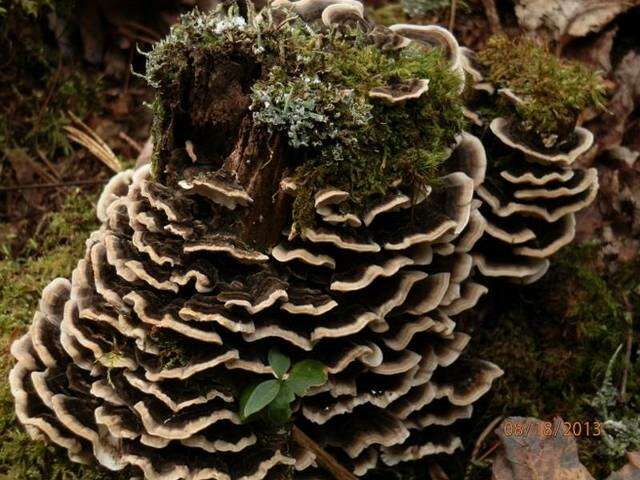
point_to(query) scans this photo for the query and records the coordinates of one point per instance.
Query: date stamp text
(552, 429)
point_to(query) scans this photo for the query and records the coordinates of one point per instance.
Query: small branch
(492, 15)
(130, 141)
(488, 452)
(32, 186)
(323, 458)
(485, 433)
(627, 365)
(452, 15)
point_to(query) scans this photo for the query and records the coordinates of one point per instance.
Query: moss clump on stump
(310, 86)
(553, 91)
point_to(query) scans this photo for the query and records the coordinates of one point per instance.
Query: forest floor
(555, 339)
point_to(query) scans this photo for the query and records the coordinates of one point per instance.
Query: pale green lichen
(620, 426)
(310, 111)
(360, 144)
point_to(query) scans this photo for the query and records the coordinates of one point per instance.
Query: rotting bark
(259, 161)
(212, 112)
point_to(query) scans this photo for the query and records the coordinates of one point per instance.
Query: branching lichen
(620, 429)
(554, 91)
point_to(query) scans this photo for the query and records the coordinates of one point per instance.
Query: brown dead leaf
(609, 129)
(535, 456)
(594, 50)
(631, 471)
(436, 472)
(575, 18)
(25, 174)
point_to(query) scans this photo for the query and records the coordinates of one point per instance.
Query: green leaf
(306, 374)
(259, 396)
(279, 362)
(279, 411)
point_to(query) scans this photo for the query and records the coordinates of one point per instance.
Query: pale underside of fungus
(373, 295)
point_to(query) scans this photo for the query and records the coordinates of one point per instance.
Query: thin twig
(492, 15)
(488, 452)
(75, 183)
(51, 88)
(452, 15)
(485, 433)
(324, 459)
(132, 143)
(48, 163)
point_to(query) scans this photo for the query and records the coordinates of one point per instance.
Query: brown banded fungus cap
(199, 269)
(530, 201)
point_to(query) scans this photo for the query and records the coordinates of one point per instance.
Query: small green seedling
(276, 395)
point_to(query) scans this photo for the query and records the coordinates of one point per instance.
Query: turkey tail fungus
(533, 189)
(312, 191)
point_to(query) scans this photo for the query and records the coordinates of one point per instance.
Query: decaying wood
(258, 162)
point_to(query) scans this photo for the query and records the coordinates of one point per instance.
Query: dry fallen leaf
(535, 450)
(610, 127)
(631, 471)
(575, 18)
(535, 456)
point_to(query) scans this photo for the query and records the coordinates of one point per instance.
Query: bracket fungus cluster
(533, 190)
(200, 268)
(530, 207)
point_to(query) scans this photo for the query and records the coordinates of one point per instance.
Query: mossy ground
(554, 340)
(52, 252)
(35, 107)
(44, 240)
(43, 80)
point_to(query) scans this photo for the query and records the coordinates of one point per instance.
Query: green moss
(58, 244)
(554, 339)
(554, 91)
(389, 14)
(312, 87)
(30, 7)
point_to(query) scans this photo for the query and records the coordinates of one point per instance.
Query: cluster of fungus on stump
(203, 263)
(532, 191)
